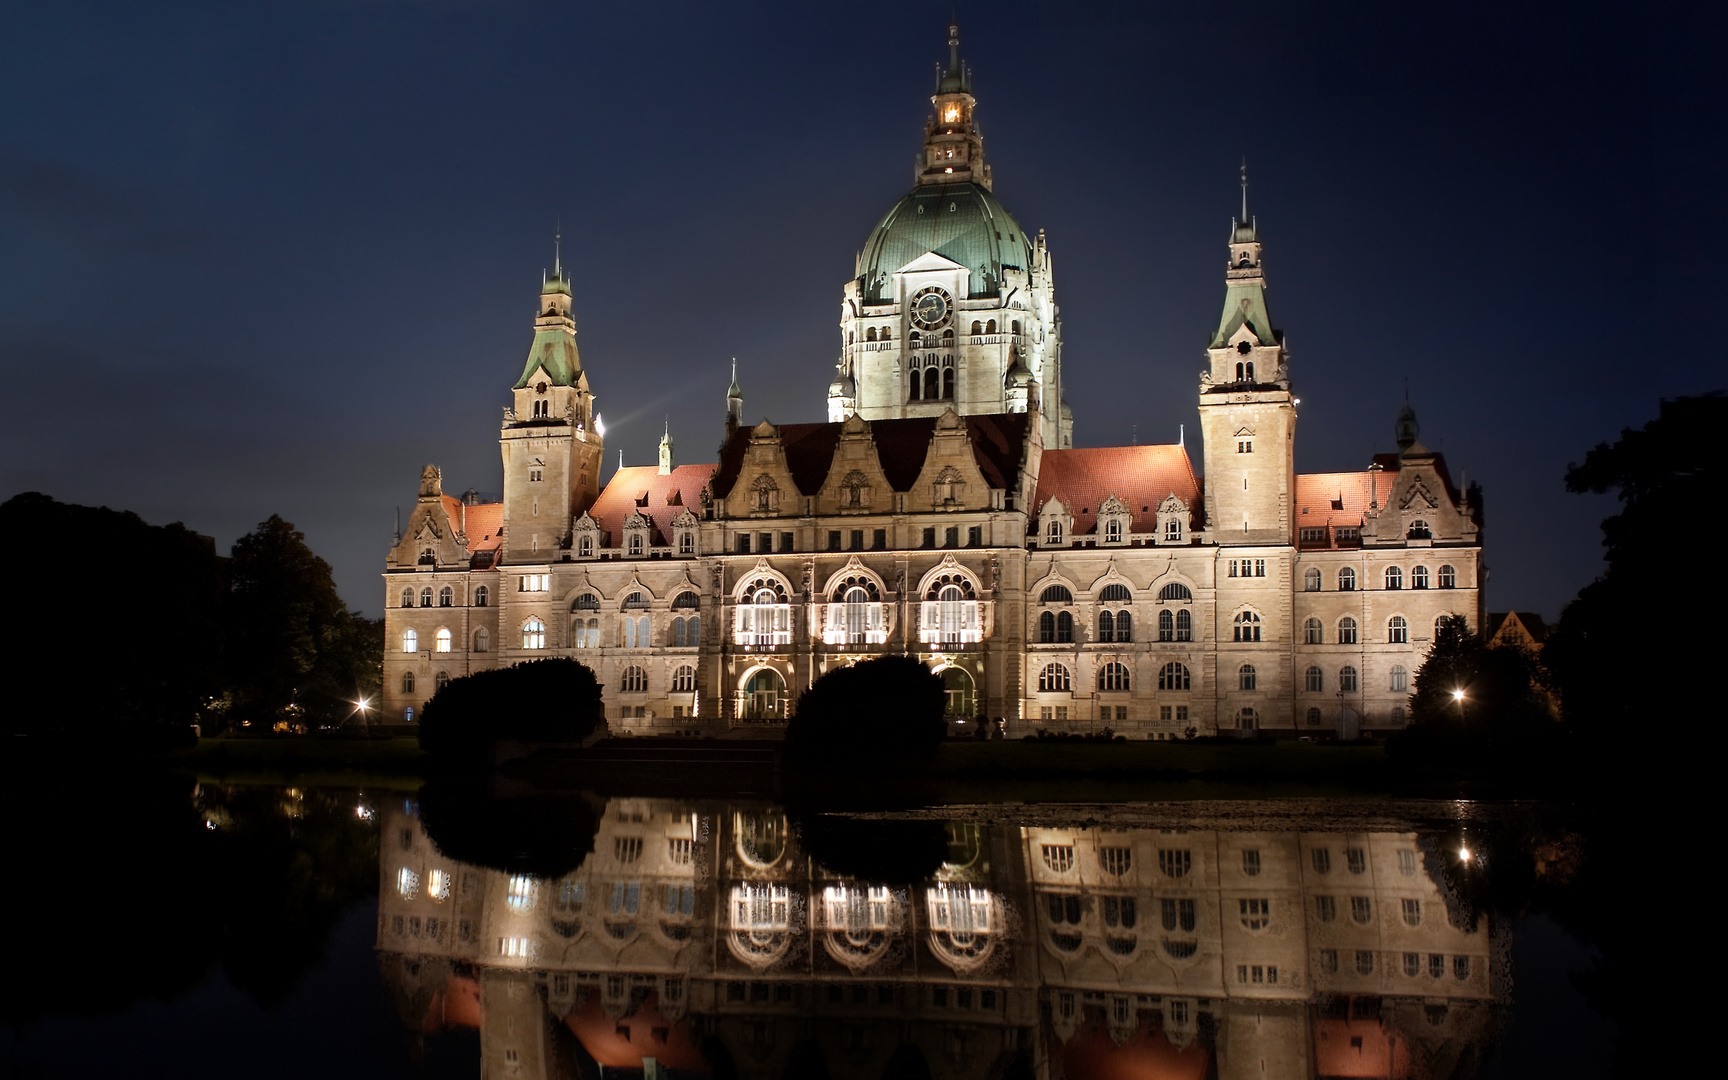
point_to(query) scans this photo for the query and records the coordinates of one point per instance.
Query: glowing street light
(1457, 695)
(1464, 854)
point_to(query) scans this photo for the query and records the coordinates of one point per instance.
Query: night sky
(263, 259)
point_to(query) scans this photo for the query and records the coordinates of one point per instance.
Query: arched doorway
(764, 695)
(960, 697)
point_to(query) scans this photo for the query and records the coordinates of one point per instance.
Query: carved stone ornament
(431, 482)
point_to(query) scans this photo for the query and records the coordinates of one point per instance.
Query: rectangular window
(930, 537)
(1175, 863)
(1313, 536)
(1412, 964)
(1181, 714)
(1244, 446)
(1412, 912)
(1357, 858)
(1061, 712)
(1121, 713)
(1322, 859)
(786, 542)
(1232, 567)
(743, 543)
(1045, 712)
(974, 536)
(1364, 962)
(879, 540)
(1259, 567)
(857, 540)
(1361, 909)
(1325, 908)
(765, 543)
(1164, 713)
(951, 536)
(1251, 863)
(1407, 863)
(833, 539)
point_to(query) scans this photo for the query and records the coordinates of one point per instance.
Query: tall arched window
(407, 597)
(585, 633)
(932, 384)
(407, 682)
(1311, 632)
(916, 379)
(1124, 626)
(633, 681)
(977, 327)
(684, 680)
(638, 634)
(1311, 579)
(679, 639)
(1419, 578)
(764, 695)
(482, 596)
(1448, 578)
(533, 634)
(446, 597)
(1064, 627)
(1397, 630)
(440, 681)
(990, 327)
(1400, 679)
(1246, 627)
(1247, 678)
(1166, 625)
(1347, 679)
(1113, 677)
(482, 640)
(1046, 627)
(1173, 676)
(1394, 578)
(410, 641)
(441, 640)
(948, 382)
(1314, 680)
(1346, 631)
(426, 596)
(764, 620)
(1184, 625)
(1347, 580)
(857, 615)
(1106, 626)
(1054, 679)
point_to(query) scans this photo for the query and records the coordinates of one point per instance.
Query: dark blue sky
(265, 259)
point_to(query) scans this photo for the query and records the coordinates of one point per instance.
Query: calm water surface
(256, 931)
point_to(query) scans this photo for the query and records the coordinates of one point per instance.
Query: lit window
(638, 632)
(1407, 863)
(438, 884)
(1346, 631)
(1347, 580)
(1247, 677)
(1448, 578)
(519, 894)
(1394, 578)
(1054, 679)
(407, 883)
(1397, 630)
(533, 634)
(1347, 679)
(442, 640)
(764, 620)
(410, 641)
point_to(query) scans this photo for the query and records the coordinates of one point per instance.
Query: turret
(953, 148)
(734, 402)
(666, 451)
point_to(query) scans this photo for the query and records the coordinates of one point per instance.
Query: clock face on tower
(930, 307)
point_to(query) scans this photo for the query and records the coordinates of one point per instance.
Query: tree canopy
(551, 700)
(886, 708)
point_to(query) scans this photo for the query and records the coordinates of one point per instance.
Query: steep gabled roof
(1341, 498)
(662, 498)
(1141, 476)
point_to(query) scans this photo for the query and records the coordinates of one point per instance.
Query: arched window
(637, 632)
(1397, 630)
(1064, 627)
(533, 634)
(764, 695)
(1314, 680)
(1448, 578)
(1116, 593)
(1439, 622)
(1113, 531)
(1046, 628)
(1014, 327)
(977, 327)
(684, 680)
(917, 383)
(1054, 680)
(1124, 626)
(948, 384)
(1347, 679)
(441, 640)
(1175, 591)
(1246, 677)
(636, 601)
(932, 383)
(482, 640)
(426, 596)
(1400, 680)
(1106, 626)
(857, 613)
(1166, 625)
(585, 633)
(1184, 625)
(1314, 718)
(1113, 677)
(1247, 719)
(1419, 530)
(1173, 676)
(1056, 594)
(764, 620)
(1246, 627)
(990, 327)
(585, 602)
(1053, 532)
(407, 597)
(410, 641)
(1311, 579)
(959, 696)
(1394, 578)
(633, 681)
(446, 597)
(407, 682)
(1419, 578)
(678, 634)
(482, 596)
(440, 681)
(686, 600)
(1346, 631)
(870, 334)
(1347, 580)
(1311, 632)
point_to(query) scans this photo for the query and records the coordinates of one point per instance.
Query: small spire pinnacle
(1244, 191)
(557, 248)
(620, 457)
(954, 46)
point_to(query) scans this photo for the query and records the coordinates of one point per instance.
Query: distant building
(943, 511)
(1521, 629)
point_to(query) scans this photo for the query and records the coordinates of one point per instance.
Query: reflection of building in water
(696, 933)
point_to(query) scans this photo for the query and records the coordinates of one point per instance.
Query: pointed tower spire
(953, 149)
(1245, 282)
(558, 246)
(734, 402)
(1245, 189)
(666, 450)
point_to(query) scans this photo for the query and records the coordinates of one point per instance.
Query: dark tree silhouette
(889, 708)
(553, 700)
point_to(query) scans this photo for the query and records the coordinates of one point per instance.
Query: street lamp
(1458, 696)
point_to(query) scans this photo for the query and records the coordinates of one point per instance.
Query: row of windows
(1113, 677)
(635, 543)
(1397, 630)
(446, 597)
(1447, 578)
(1412, 964)
(1114, 593)
(853, 540)
(1314, 680)
(443, 640)
(978, 327)
(636, 601)
(1114, 531)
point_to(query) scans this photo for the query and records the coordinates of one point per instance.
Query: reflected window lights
(519, 894)
(1059, 858)
(407, 883)
(438, 884)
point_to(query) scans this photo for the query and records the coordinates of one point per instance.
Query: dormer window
(635, 545)
(1053, 533)
(1113, 532)
(686, 542)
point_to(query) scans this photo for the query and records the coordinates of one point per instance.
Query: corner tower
(1247, 415)
(551, 439)
(951, 305)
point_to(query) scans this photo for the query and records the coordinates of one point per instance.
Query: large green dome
(962, 222)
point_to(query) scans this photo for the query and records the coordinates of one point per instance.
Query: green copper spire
(1245, 281)
(554, 347)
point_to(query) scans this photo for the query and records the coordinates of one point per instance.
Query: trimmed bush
(889, 708)
(553, 700)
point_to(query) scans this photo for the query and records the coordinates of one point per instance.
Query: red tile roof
(1339, 498)
(662, 498)
(1141, 476)
(481, 522)
(901, 445)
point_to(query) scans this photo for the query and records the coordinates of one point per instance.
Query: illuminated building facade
(943, 511)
